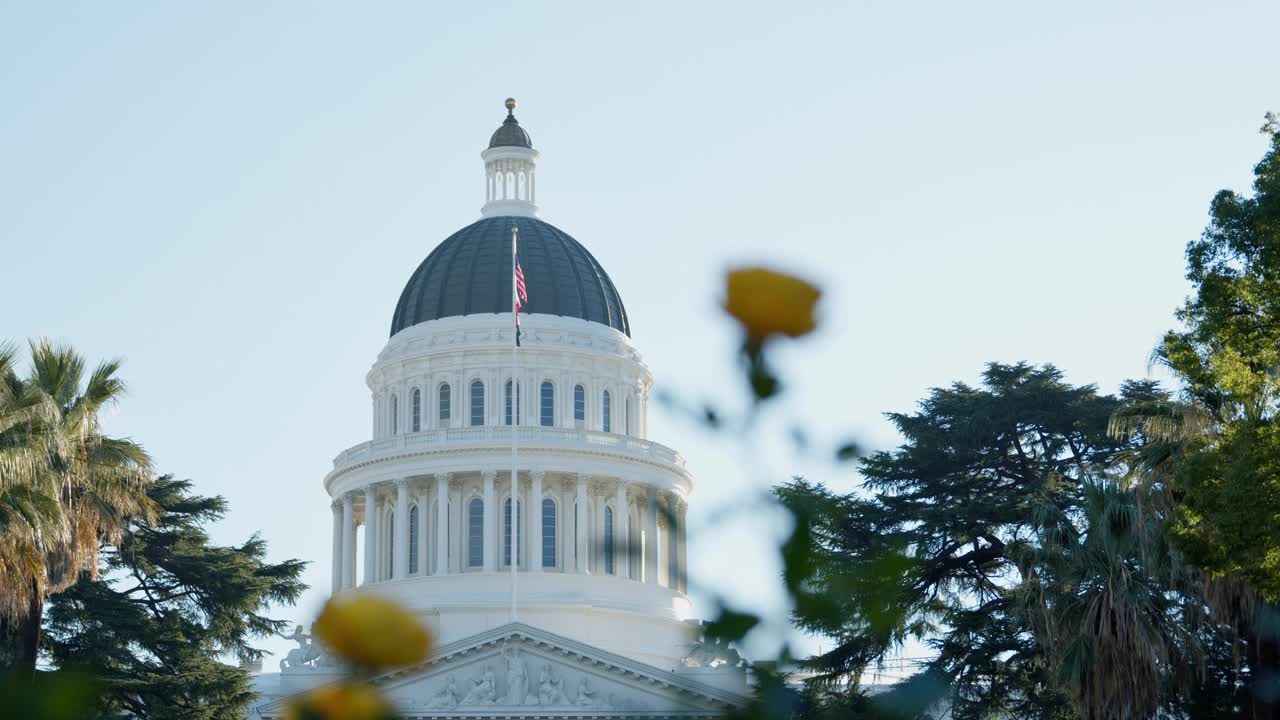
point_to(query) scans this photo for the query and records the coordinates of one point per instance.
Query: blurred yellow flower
(769, 303)
(339, 702)
(371, 632)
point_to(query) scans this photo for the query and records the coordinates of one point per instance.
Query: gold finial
(511, 105)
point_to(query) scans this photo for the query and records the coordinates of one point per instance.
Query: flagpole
(515, 425)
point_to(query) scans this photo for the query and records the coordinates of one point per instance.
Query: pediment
(517, 671)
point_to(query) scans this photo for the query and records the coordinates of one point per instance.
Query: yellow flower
(371, 632)
(339, 702)
(768, 303)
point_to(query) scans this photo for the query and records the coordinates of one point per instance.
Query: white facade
(421, 515)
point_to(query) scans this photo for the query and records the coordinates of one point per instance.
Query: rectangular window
(477, 403)
(413, 540)
(507, 404)
(475, 533)
(547, 409)
(444, 404)
(548, 533)
(579, 403)
(506, 531)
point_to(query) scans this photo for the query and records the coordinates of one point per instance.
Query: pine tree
(996, 532)
(168, 605)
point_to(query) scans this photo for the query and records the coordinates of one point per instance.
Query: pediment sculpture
(712, 653)
(307, 656)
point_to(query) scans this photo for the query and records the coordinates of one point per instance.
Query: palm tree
(28, 505)
(64, 486)
(1167, 428)
(1120, 615)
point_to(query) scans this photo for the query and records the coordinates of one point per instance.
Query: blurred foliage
(371, 633)
(368, 635)
(61, 695)
(350, 700)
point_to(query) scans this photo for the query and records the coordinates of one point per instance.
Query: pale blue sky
(232, 195)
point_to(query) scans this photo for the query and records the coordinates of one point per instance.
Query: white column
(673, 544)
(651, 538)
(400, 552)
(681, 540)
(370, 533)
(535, 520)
(598, 508)
(336, 562)
(348, 542)
(582, 545)
(442, 523)
(457, 531)
(490, 513)
(565, 546)
(423, 509)
(621, 522)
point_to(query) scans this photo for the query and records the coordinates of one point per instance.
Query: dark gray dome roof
(510, 134)
(470, 273)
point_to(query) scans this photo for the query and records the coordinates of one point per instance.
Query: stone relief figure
(550, 688)
(303, 656)
(446, 698)
(711, 654)
(517, 680)
(586, 697)
(483, 690)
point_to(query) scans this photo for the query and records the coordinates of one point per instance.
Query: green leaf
(730, 625)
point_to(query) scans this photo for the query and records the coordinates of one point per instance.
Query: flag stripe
(522, 297)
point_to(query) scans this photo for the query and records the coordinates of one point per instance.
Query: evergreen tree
(1002, 533)
(1217, 447)
(167, 605)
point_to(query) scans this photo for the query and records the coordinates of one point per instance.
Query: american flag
(522, 297)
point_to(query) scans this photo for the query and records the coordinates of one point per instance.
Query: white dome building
(594, 621)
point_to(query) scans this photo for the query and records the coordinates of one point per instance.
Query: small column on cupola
(509, 165)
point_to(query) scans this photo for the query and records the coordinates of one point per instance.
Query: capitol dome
(508, 493)
(470, 274)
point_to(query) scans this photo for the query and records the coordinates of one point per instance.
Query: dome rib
(470, 273)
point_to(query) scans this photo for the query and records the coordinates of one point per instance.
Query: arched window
(547, 405)
(444, 405)
(417, 410)
(579, 403)
(506, 530)
(606, 411)
(507, 400)
(475, 533)
(477, 402)
(548, 533)
(414, 523)
(395, 415)
(608, 540)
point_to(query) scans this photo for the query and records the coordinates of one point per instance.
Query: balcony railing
(500, 436)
